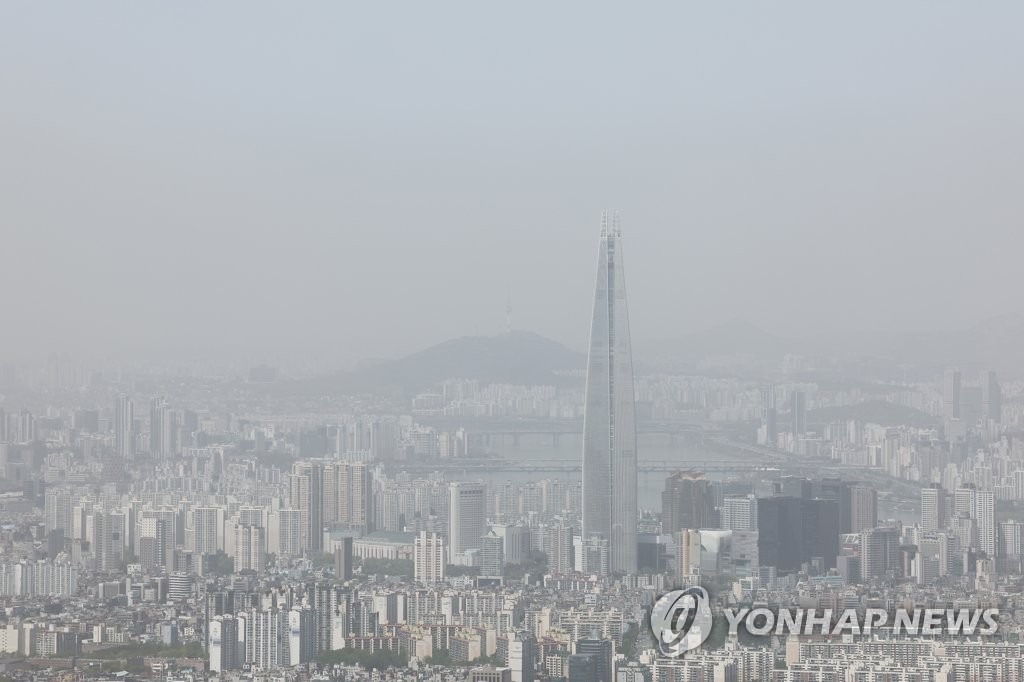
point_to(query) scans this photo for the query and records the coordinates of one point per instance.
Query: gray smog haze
(349, 180)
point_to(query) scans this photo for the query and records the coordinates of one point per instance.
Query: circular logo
(681, 620)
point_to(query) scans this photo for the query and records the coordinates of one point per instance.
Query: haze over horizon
(511, 343)
(164, 193)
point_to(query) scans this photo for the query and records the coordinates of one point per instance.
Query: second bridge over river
(469, 465)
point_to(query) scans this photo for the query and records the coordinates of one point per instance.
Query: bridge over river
(488, 432)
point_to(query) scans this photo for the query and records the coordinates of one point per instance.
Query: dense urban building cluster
(228, 532)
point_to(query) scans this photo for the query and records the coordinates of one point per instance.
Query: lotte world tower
(609, 423)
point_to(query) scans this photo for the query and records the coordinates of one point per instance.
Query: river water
(540, 449)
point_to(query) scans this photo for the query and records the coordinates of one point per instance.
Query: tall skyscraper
(164, 429)
(769, 416)
(739, 513)
(467, 516)
(965, 501)
(933, 508)
(795, 486)
(492, 555)
(794, 530)
(798, 413)
(879, 552)
(820, 533)
(863, 508)
(1010, 547)
(951, 394)
(838, 489)
(991, 397)
(609, 428)
(686, 502)
(124, 427)
(157, 408)
(932, 559)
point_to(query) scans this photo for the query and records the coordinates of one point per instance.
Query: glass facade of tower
(609, 429)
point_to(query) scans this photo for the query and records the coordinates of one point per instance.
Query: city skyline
(308, 370)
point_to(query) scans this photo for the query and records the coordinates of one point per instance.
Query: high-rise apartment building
(266, 636)
(609, 429)
(428, 557)
(156, 536)
(286, 524)
(164, 429)
(58, 508)
(985, 513)
(250, 548)
(300, 642)
(306, 492)
(347, 496)
(108, 530)
(556, 540)
(223, 644)
(208, 527)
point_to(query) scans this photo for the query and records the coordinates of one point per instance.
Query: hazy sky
(363, 179)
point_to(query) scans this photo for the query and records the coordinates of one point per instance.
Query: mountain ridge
(517, 357)
(527, 358)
